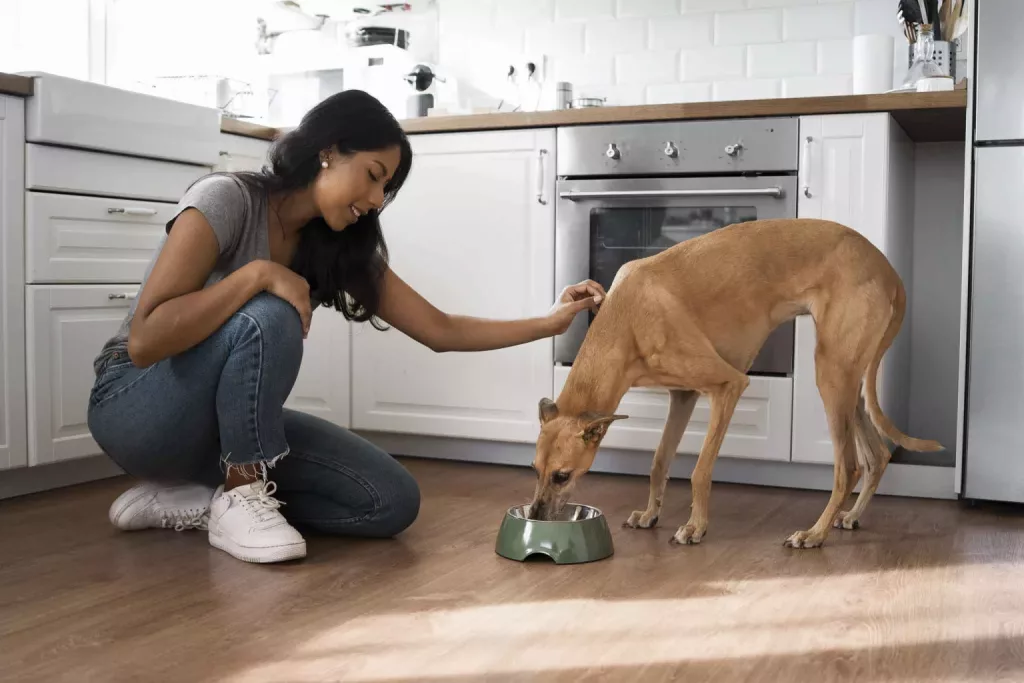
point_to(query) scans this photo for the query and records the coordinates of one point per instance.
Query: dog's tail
(882, 423)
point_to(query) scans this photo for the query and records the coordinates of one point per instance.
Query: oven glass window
(622, 234)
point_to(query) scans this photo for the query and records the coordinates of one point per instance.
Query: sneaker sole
(280, 553)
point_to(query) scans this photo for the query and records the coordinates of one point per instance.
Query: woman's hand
(290, 286)
(573, 299)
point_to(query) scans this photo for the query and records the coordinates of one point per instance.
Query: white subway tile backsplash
(613, 37)
(555, 39)
(819, 22)
(593, 69)
(635, 51)
(746, 89)
(712, 5)
(688, 31)
(678, 92)
(875, 16)
(647, 67)
(523, 11)
(647, 8)
(779, 3)
(782, 59)
(617, 95)
(584, 9)
(835, 57)
(716, 63)
(747, 28)
(817, 86)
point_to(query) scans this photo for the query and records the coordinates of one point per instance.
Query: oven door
(602, 224)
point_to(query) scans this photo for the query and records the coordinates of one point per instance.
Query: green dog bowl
(580, 534)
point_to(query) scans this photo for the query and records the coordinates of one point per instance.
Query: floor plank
(926, 591)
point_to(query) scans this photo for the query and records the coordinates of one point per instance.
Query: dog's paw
(804, 539)
(688, 534)
(640, 519)
(844, 521)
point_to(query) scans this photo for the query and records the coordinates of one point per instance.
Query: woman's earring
(323, 164)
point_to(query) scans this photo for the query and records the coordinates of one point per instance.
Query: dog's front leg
(680, 409)
(723, 401)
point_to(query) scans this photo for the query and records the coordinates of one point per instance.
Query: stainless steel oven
(627, 191)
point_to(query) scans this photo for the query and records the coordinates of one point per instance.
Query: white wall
(45, 35)
(656, 51)
(934, 309)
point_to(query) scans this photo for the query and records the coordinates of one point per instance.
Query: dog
(692, 319)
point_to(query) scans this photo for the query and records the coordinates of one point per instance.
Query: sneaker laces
(263, 505)
(180, 520)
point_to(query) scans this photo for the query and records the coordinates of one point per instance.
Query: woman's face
(353, 184)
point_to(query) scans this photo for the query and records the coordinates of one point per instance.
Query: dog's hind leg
(847, 335)
(838, 389)
(680, 409)
(873, 458)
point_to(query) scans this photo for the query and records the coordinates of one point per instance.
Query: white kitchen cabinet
(473, 232)
(239, 153)
(71, 238)
(857, 170)
(67, 326)
(759, 428)
(13, 450)
(323, 387)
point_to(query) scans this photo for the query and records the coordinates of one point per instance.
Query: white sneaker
(154, 506)
(245, 523)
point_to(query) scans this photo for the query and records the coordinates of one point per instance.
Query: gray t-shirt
(238, 217)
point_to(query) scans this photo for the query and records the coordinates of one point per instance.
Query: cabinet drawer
(55, 169)
(760, 427)
(88, 239)
(66, 328)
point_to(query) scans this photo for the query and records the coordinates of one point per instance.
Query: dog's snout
(536, 510)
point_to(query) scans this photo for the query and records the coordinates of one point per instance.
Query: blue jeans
(220, 404)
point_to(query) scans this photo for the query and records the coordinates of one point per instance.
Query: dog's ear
(597, 426)
(548, 410)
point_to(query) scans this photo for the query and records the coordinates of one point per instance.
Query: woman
(189, 394)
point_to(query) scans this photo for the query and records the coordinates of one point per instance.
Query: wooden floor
(925, 591)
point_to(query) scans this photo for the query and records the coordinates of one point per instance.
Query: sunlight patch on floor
(751, 619)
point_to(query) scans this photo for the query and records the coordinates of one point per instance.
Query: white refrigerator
(994, 453)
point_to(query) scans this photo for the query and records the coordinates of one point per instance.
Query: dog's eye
(560, 478)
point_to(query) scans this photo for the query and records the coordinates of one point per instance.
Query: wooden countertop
(926, 117)
(19, 86)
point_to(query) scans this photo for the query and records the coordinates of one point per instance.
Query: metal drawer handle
(574, 195)
(121, 295)
(132, 211)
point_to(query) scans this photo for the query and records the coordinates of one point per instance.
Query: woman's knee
(402, 506)
(275, 317)
(277, 323)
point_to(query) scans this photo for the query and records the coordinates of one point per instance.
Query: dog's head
(565, 451)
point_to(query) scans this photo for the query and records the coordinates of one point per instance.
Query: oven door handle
(576, 195)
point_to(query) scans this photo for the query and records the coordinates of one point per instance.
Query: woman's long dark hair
(344, 269)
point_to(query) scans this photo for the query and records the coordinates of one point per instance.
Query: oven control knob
(612, 152)
(671, 151)
(733, 150)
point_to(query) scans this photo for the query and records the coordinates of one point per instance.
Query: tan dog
(693, 318)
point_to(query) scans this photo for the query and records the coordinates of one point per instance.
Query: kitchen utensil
(908, 13)
(587, 102)
(960, 25)
(580, 534)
